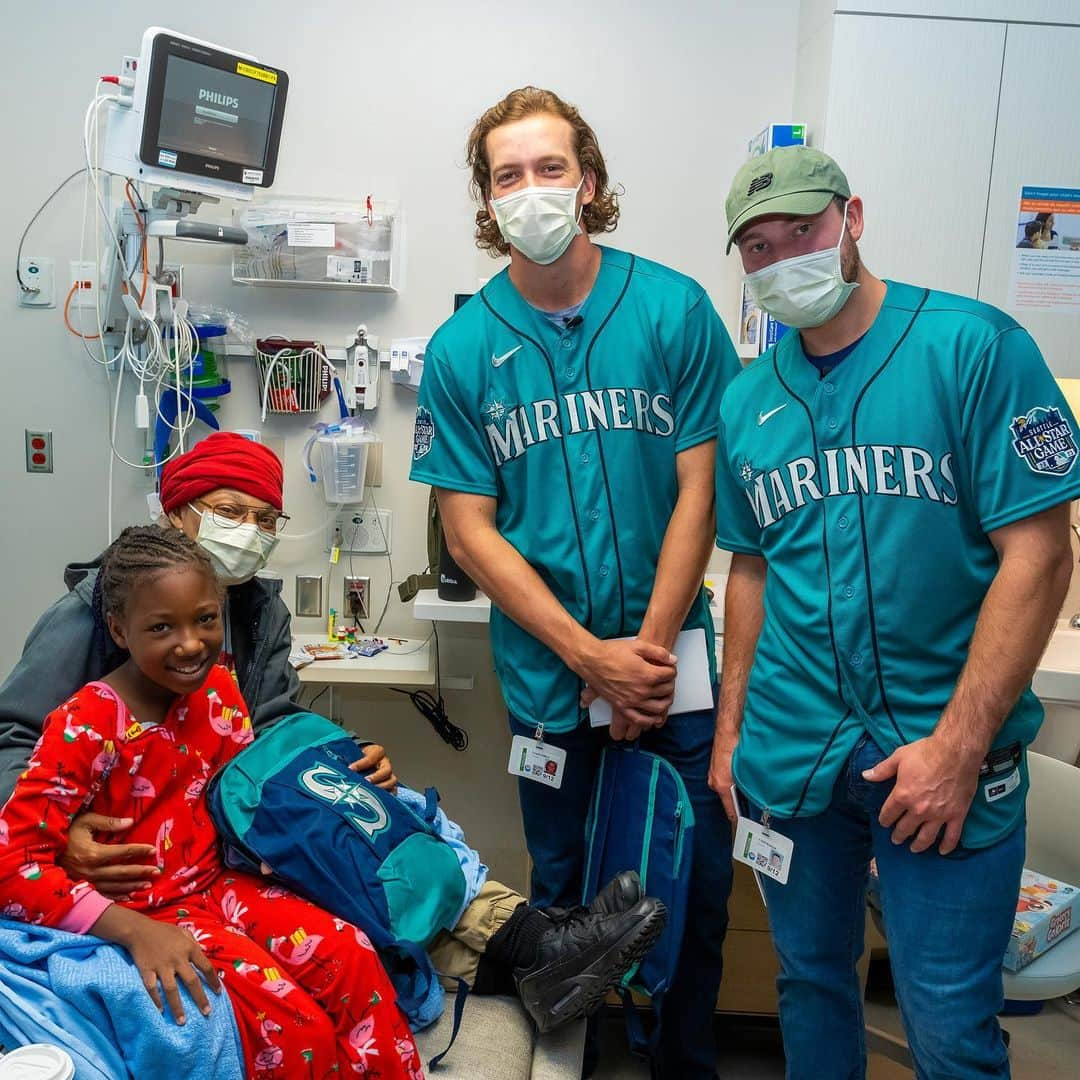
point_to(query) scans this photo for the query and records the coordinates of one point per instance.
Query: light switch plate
(309, 596)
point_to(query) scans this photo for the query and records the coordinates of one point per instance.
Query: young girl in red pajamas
(311, 998)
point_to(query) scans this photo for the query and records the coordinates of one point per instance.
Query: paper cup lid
(38, 1061)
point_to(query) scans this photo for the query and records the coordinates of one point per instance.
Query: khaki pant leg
(456, 953)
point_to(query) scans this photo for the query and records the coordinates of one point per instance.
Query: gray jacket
(69, 648)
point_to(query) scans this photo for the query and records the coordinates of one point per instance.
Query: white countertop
(1056, 679)
(428, 607)
(1058, 675)
(410, 664)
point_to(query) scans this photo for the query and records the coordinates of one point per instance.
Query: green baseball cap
(795, 180)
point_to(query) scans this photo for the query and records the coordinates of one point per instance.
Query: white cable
(332, 512)
(155, 364)
(409, 652)
(389, 561)
(91, 127)
(274, 361)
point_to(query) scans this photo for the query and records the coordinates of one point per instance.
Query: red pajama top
(95, 755)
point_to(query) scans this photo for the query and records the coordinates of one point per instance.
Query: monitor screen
(212, 113)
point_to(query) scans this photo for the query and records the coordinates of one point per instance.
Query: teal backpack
(290, 801)
(640, 818)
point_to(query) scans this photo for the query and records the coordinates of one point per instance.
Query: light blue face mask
(805, 291)
(539, 221)
(238, 552)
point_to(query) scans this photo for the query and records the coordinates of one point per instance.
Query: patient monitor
(200, 118)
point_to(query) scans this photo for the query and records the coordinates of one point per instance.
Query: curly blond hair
(599, 216)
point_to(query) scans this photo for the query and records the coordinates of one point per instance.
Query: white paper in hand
(693, 689)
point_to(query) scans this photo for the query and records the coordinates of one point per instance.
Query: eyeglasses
(231, 515)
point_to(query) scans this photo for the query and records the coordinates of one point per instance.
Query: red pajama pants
(311, 998)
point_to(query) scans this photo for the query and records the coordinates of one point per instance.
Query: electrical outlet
(360, 532)
(172, 274)
(39, 456)
(85, 276)
(357, 597)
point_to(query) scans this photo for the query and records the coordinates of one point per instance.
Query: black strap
(459, 1008)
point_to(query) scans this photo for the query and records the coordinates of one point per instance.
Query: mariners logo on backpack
(423, 433)
(1044, 439)
(331, 786)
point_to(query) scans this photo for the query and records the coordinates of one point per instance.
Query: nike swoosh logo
(498, 361)
(763, 416)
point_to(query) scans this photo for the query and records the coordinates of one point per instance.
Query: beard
(850, 263)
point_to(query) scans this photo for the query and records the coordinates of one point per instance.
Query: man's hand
(115, 870)
(376, 768)
(935, 784)
(636, 677)
(623, 729)
(720, 777)
(164, 955)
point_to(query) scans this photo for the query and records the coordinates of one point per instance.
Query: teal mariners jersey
(870, 492)
(574, 432)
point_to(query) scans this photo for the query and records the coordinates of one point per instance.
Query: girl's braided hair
(139, 551)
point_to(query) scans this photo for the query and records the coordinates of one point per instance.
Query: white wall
(914, 131)
(939, 112)
(812, 67)
(382, 96)
(1033, 11)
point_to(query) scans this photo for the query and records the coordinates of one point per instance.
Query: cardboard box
(1047, 911)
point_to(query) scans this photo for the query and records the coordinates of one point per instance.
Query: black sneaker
(621, 893)
(581, 956)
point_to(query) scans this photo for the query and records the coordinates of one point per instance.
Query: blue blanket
(85, 995)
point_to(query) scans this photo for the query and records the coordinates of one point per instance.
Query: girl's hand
(165, 956)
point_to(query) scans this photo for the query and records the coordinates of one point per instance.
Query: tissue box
(1046, 912)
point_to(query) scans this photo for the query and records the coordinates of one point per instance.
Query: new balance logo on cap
(759, 183)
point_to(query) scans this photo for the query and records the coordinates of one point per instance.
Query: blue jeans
(555, 834)
(947, 920)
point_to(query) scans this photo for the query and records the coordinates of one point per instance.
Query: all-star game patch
(423, 433)
(1045, 440)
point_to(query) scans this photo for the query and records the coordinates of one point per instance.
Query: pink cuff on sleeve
(84, 912)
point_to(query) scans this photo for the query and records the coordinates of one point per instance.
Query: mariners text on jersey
(574, 429)
(907, 471)
(511, 431)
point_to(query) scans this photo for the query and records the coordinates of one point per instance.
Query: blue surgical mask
(805, 291)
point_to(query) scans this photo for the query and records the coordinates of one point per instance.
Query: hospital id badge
(536, 760)
(765, 850)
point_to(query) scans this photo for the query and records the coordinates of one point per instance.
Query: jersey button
(603, 571)
(829, 388)
(849, 592)
(567, 343)
(833, 423)
(585, 459)
(570, 372)
(842, 522)
(594, 514)
(856, 659)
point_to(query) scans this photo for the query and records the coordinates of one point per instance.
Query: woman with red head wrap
(226, 493)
